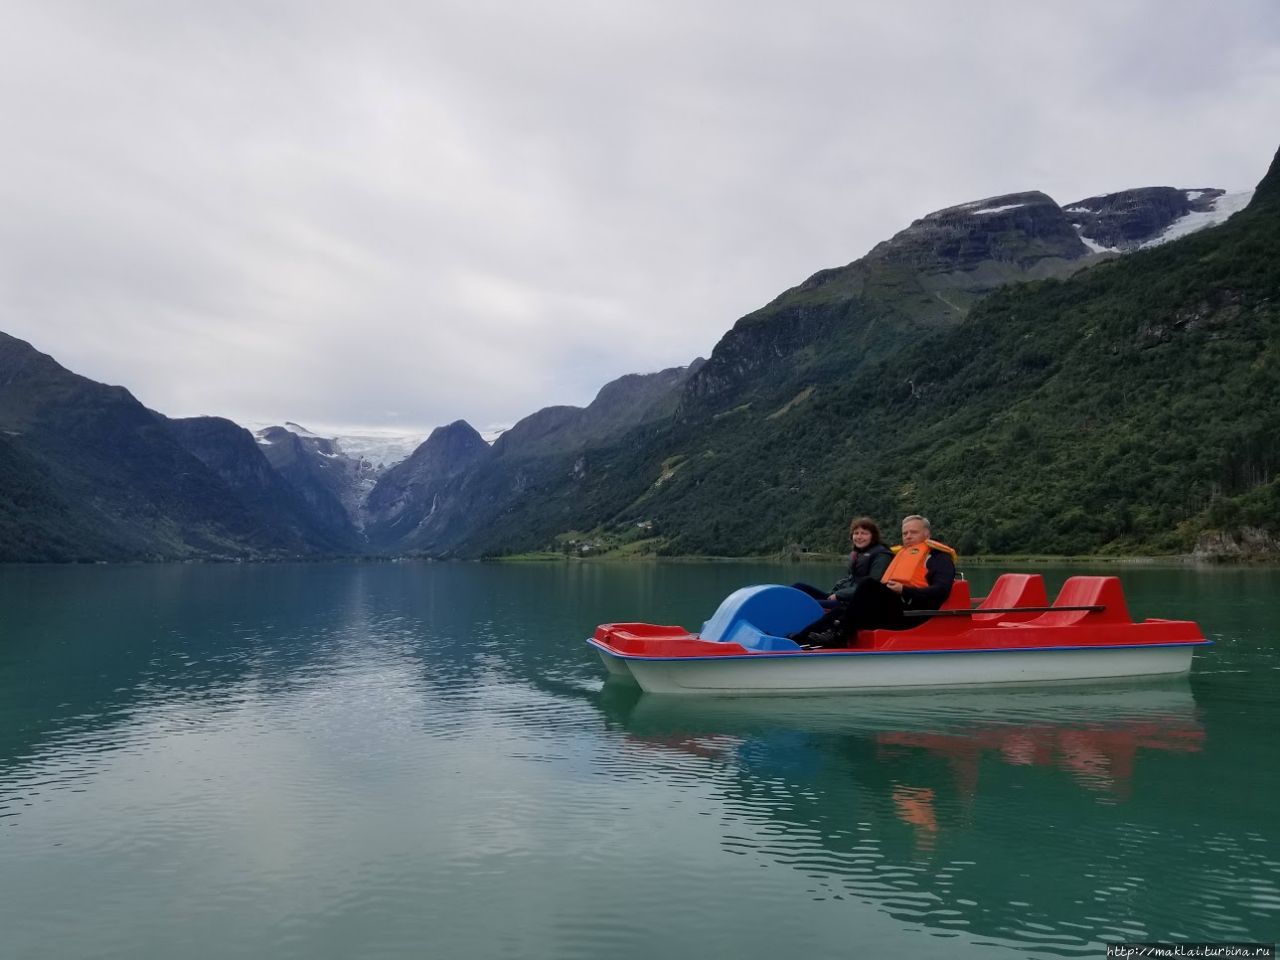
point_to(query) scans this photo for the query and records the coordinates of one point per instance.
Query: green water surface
(424, 760)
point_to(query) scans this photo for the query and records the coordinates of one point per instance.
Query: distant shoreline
(982, 560)
(1166, 560)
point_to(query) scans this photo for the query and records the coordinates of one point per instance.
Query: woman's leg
(811, 590)
(820, 595)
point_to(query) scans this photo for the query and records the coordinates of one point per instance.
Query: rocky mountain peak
(1015, 228)
(452, 441)
(927, 274)
(1129, 219)
(333, 484)
(407, 496)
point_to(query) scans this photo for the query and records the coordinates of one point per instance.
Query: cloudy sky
(404, 213)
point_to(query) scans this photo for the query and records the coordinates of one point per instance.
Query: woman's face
(861, 538)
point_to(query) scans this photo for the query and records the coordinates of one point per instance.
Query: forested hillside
(1130, 408)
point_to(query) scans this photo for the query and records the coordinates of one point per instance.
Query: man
(919, 578)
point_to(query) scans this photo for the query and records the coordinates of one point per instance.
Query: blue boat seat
(760, 617)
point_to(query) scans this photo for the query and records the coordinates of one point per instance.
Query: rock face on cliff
(1022, 229)
(924, 277)
(231, 452)
(332, 484)
(404, 507)
(1130, 219)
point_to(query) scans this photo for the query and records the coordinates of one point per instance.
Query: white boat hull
(835, 672)
(616, 666)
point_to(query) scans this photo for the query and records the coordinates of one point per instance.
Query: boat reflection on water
(1098, 757)
(1028, 816)
(1092, 733)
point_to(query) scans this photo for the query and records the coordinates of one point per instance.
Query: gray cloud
(406, 213)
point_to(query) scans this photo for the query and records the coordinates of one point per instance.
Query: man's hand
(895, 586)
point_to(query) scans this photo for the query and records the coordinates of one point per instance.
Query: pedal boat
(1012, 636)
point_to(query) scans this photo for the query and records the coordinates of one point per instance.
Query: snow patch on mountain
(1094, 246)
(381, 447)
(1224, 207)
(1000, 209)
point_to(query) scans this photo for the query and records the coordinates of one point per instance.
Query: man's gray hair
(924, 521)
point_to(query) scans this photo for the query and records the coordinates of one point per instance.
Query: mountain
(772, 362)
(90, 473)
(1125, 408)
(925, 277)
(1133, 219)
(331, 484)
(234, 455)
(906, 381)
(449, 488)
(405, 504)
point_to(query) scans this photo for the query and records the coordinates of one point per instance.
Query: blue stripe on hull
(845, 654)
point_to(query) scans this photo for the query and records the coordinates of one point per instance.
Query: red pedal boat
(1013, 635)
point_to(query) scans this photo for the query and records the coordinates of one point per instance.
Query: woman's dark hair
(866, 523)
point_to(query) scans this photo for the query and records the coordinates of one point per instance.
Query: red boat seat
(959, 598)
(1087, 591)
(1013, 590)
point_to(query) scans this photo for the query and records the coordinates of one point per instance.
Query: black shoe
(825, 638)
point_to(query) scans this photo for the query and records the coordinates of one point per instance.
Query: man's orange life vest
(908, 567)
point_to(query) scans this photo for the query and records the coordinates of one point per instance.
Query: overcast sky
(405, 213)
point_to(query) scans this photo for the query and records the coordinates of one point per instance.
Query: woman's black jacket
(863, 565)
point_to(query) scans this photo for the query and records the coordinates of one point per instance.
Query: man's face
(913, 532)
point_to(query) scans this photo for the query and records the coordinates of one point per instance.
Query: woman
(868, 561)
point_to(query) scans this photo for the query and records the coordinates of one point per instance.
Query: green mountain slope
(1129, 408)
(36, 524)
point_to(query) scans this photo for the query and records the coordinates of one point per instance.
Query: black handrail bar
(969, 613)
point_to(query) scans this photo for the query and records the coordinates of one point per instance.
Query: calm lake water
(415, 760)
